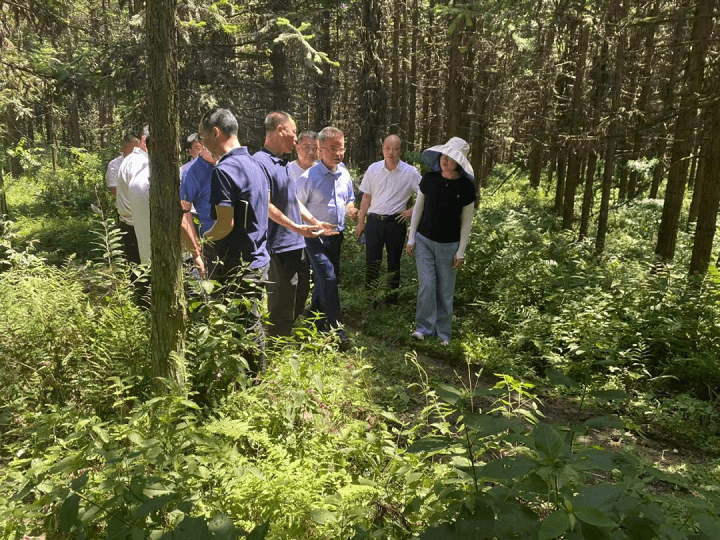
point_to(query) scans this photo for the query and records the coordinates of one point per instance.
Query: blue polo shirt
(195, 188)
(237, 181)
(325, 193)
(283, 194)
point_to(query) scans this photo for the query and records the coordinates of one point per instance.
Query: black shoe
(344, 341)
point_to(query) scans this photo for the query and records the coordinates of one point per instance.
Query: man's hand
(186, 206)
(328, 229)
(405, 216)
(309, 231)
(352, 212)
(359, 229)
(200, 264)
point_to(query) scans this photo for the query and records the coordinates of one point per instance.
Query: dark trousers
(324, 254)
(385, 233)
(129, 243)
(288, 288)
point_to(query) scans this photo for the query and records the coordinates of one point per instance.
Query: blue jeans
(436, 290)
(324, 254)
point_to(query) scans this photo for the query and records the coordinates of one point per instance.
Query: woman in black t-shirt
(439, 233)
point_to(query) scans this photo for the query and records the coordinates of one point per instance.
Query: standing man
(307, 151)
(195, 148)
(128, 143)
(289, 272)
(239, 202)
(387, 188)
(136, 163)
(195, 199)
(326, 190)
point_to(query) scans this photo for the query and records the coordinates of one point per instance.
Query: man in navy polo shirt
(239, 204)
(326, 190)
(289, 273)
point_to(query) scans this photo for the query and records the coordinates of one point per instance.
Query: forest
(579, 399)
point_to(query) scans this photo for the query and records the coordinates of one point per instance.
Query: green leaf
(448, 393)
(485, 425)
(430, 444)
(558, 378)
(708, 525)
(554, 525)
(605, 421)
(507, 468)
(191, 528)
(79, 482)
(515, 520)
(152, 505)
(259, 532)
(323, 517)
(547, 441)
(137, 533)
(593, 516)
(68, 516)
(222, 528)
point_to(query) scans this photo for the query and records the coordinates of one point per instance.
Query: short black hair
(129, 138)
(222, 119)
(307, 135)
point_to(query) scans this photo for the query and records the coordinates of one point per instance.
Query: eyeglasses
(335, 149)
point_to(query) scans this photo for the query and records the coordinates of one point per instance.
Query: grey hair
(307, 135)
(275, 119)
(329, 133)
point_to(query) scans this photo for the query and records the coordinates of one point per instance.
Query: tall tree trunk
(700, 159)
(395, 76)
(573, 172)
(668, 93)
(707, 214)
(168, 298)
(413, 82)
(560, 187)
(682, 136)
(454, 80)
(3, 200)
(612, 134)
(323, 81)
(588, 194)
(372, 99)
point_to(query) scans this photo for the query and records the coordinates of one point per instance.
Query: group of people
(266, 222)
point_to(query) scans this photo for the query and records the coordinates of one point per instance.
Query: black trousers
(389, 234)
(288, 288)
(129, 243)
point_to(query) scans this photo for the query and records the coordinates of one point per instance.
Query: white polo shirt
(133, 164)
(390, 190)
(112, 171)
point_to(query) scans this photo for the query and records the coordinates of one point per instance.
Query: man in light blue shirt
(326, 190)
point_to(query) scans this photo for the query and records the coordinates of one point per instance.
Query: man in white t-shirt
(307, 151)
(128, 143)
(387, 187)
(135, 170)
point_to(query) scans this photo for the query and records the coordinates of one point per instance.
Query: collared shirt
(139, 199)
(186, 167)
(133, 164)
(237, 181)
(325, 193)
(112, 171)
(295, 170)
(390, 190)
(195, 188)
(283, 195)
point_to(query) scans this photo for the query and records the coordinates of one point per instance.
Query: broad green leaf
(593, 458)
(69, 513)
(515, 520)
(430, 444)
(554, 525)
(79, 482)
(558, 378)
(449, 393)
(191, 528)
(259, 532)
(593, 516)
(222, 528)
(547, 441)
(153, 504)
(485, 425)
(323, 517)
(708, 524)
(507, 468)
(137, 533)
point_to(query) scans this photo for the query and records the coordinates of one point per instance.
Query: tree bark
(707, 213)
(588, 194)
(168, 299)
(412, 141)
(612, 135)
(684, 125)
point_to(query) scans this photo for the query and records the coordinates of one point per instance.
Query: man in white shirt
(128, 143)
(135, 170)
(387, 187)
(307, 151)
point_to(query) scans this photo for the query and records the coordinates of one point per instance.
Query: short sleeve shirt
(112, 171)
(195, 188)
(444, 201)
(283, 195)
(390, 190)
(295, 170)
(237, 181)
(325, 194)
(132, 165)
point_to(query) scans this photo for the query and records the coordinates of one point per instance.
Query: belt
(383, 217)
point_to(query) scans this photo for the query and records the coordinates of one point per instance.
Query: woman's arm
(415, 221)
(465, 227)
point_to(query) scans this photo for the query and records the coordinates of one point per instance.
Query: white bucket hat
(457, 149)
